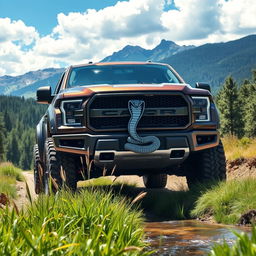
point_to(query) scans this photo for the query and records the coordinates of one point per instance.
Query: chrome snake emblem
(135, 143)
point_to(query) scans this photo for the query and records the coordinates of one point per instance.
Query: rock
(4, 199)
(248, 218)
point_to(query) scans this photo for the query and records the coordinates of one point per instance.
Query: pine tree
(2, 131)
(244, 93)
(13, 152)
(254, 76)
(7, 121)
(229, 107)
(249, 110)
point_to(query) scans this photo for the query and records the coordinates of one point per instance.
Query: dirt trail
(174, 183)
(22, 197)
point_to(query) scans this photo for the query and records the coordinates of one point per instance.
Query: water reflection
(190, 237)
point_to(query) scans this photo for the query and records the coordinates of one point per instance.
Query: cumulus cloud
(16, 31)
(193, 19)
(238, 16)
(92, 35)
(125, 19)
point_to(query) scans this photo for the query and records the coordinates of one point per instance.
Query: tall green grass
(86, 223)
(157, 204)
(8, 169)
(9, 174)
(245, 245)
(227, 201)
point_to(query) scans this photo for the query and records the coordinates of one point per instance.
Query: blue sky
(42, 14)
(40, 34)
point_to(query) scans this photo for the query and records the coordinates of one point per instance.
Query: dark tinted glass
(121, 74)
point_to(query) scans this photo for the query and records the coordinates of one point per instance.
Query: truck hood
(85, 91)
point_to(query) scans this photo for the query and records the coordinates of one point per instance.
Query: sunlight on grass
(239, 148)
(90, 222)
(7, 186)
(227, 201)
(8, 169)
(102, 181)
(9, 174)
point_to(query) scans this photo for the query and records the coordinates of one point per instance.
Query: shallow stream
(191, 237)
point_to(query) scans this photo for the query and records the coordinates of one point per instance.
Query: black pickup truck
(127, 118)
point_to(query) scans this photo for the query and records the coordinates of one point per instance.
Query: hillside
(213, 62)
(27, 84)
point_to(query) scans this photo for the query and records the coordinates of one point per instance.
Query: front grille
(117, 114)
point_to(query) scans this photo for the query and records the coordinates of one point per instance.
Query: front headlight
(201, 108)
(72, 112)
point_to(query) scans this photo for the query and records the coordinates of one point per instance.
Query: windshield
(121, 74)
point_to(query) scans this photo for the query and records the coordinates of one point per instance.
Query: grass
(8, 169)
(102, 181)
(157, 204)
(244, 246)
(227, 201)
(9, 174)
(86, 223)
(239, 148)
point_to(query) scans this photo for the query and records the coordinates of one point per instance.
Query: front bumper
(108, 150)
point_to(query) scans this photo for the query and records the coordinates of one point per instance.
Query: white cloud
(238, 16)
(125, 19)
(194, 19)
(16, 31)
(92, 35)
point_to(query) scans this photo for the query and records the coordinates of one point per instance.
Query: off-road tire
(70, 171)
(206, 166)
(38, 172)
(60, 170)
(155, 180)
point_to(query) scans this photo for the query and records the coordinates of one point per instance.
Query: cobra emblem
(135, 143)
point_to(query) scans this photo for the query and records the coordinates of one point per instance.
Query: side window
(58, 86)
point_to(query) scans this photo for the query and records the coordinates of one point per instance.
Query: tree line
(237, 107)
(19, 117)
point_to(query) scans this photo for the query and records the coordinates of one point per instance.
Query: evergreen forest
(18, 119)
(19, 116)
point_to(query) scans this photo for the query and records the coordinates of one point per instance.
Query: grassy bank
(86, 223)
(239, 148)
(227, 201)
(9, 174)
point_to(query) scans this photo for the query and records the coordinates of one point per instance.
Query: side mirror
(44, 95)
(204, 86)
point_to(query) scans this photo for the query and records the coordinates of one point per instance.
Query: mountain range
(164, 50)
(206, 63)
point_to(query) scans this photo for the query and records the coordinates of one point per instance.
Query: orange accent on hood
(96, 89)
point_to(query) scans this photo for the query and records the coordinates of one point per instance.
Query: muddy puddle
(180, 238)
